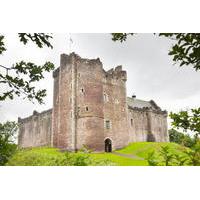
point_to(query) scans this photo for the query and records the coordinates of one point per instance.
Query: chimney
(133, 96)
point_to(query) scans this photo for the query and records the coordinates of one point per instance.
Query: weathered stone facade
(91, 108)
(35, 130)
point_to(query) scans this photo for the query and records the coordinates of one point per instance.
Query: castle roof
(138, 103)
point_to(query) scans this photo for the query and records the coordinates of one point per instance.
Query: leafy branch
(20, 78)
(23, 86)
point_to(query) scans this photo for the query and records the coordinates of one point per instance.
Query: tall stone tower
(89, 105)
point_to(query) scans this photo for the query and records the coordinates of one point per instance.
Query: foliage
(152, 159)
(163, 157)
(53, 157)
(167, 157)
(180, 160)
(187, 120)
(157, 153)
(120, 36)
(194, 154)
(40, 39)
(20, 78)
(181, 138)
(145, 153)
(185, 50)
(8, 131)
(85, 149)
(2, 45)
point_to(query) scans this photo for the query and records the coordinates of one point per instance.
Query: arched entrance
(108, 145)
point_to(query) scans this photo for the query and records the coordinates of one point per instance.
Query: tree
(187, 120)
(185, 50)
(8, 132)
(19, 79)
(181, 138)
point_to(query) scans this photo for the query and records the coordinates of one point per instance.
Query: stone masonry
(91, 109)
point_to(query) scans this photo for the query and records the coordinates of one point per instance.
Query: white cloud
(151, 74)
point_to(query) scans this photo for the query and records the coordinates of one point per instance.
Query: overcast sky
(151, 73)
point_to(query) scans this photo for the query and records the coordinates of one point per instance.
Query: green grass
(45, 156)
(119, 160)
(142, 149)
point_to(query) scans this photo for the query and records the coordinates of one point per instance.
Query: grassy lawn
(142, 149)
(119, 160)
(44, 156)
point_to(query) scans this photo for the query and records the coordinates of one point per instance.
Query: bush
(7, 138)
(152, 159)
(181, 138)
(167, 157)
(53, 157)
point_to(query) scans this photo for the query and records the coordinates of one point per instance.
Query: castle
(91, 108)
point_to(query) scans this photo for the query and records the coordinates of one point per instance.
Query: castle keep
(91, 108)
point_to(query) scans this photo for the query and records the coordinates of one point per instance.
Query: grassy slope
(44, 156)
(119, 160)
(142, 149)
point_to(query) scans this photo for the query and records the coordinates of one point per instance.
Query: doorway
(108, 145)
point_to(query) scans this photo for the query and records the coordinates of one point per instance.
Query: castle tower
(115, 108)
(89, 105)
(78, 103)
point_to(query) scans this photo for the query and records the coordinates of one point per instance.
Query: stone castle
(91, 108)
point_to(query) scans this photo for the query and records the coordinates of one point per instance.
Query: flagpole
(70, 43)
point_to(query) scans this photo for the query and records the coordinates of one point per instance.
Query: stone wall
(35, 130)
(89, 104)
(159, 126)
(115, 107)
(78, 103)
(138, 125)
(147, 125)
(62, 105)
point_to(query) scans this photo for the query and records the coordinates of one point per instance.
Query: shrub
(53, 157)
(7, 138)
(152, 159)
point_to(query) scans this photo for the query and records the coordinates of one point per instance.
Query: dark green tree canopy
(19, 79)
(181, 138)
(8, 133)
